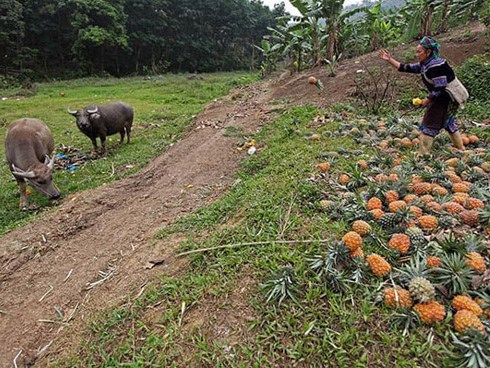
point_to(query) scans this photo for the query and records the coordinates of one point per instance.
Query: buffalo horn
(22, 173)
(49, 161)
(91, 111)
(72, 112)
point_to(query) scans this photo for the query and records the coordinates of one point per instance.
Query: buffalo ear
(94, 116)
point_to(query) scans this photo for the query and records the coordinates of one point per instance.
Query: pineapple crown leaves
(337, 255)
(472, 350)
(474, 243)
(337, 281)
(484, 215)
(454, 274)
(281, 285)
(417, 267)
(406, 320)
(449, 243)
(481, 190)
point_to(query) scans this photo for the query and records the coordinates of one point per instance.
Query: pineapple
(462, 187)
(379, 266)
(352, 240)
(410, 198)
(344, 179)
(430, 312)
(391, 196)
(416, 235)
(433, 261)
(421, 289)
(398, 297)
(476, 261)
(394, 206)
(473, 203)
(465, 319)
(427, 198)
(422, 188)
(374, 203)
(388, 220)
(439, 191)
(433, 206)
(462, 302)
(400, 242)
(376, 213)
(460, 198)
(361, 227)
(416, 211)
(452, 207)
(469, 217)
(357, 253)
(428, 222)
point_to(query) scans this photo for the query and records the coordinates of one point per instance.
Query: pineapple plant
(379, 266)
(430, 312)
(465, 319)
(461, 302)
(454, 274)
(397, 297)
(400, 242)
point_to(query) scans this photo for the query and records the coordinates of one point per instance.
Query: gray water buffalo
(28, 144)
(103, 120)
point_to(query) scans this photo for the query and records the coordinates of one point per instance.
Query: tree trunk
(317, 48)
(444, 15)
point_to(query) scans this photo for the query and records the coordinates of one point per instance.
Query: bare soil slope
(91, 252)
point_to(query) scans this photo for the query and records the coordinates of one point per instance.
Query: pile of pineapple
(420, 225)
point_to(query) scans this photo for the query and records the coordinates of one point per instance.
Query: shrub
(475, 75)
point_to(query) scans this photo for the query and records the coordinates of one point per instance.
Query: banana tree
(421, 15)
(270, 53)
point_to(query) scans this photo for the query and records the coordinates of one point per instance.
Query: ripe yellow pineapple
(476, 261)
(344, 179)
(391, 196)
(469, 217)
(473, 203)
(434, 206)
(361, 227)
(416, 211)
(400, 298)
(379, 266)
(374, 203)
(357, 253)
(422, 188)
(430, 312)
(465, 319)
(362, 164)
(460, 198)
(410, 198)
(452, 207)
(433, 261)
(428, 222)
(461, 302)
(439, 190)
(352, 240)
(462, 187)
(400, 242)
(377, 213)
(427, 198)
(394, 206)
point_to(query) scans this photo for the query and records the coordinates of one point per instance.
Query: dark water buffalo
(28, 145)
(103, 120)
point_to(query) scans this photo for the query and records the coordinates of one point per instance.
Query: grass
(215, 313)
(164, 106)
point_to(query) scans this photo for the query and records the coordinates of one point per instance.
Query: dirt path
(47, 267)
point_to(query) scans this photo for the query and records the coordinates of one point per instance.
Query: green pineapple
(421, 289)
(416, 235)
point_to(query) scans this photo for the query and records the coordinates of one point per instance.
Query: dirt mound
(91, 252)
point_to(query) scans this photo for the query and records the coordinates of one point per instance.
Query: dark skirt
(437, 112)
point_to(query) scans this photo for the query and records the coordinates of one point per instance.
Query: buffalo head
(40, 177)
(85, 116)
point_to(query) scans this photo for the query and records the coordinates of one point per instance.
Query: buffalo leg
(122, 136)
(102, 141)
(94, 142)
(23, 194)
(128, 132)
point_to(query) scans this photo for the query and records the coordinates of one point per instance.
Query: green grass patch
(164, 106)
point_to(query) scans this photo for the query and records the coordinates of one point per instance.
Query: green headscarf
(430, 44)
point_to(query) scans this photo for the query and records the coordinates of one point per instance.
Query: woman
(436, 74)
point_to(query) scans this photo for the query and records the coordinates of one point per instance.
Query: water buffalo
(28, 145)
(103, 120)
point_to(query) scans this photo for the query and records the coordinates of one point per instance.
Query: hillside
(98, 281)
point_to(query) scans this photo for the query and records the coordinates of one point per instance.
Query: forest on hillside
(70, 38)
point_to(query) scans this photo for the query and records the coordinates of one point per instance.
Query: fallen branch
(46, 293)
(238, 245)
(15, 359)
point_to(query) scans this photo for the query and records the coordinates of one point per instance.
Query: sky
(292, 10)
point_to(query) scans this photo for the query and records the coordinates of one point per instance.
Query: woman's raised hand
(385, 54)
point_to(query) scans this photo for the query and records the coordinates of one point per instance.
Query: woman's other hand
(425, 102)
